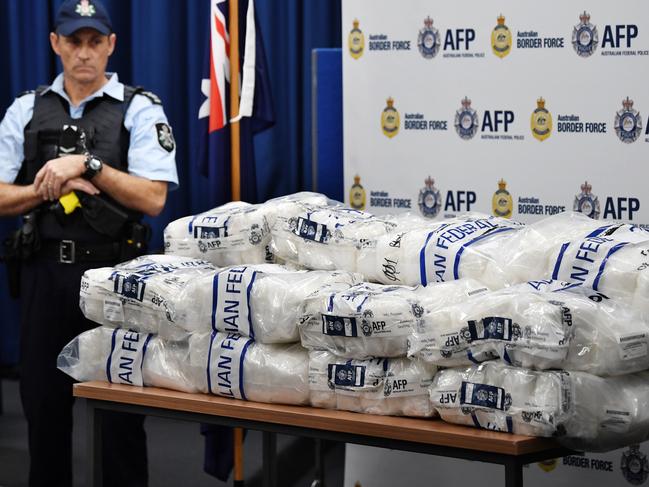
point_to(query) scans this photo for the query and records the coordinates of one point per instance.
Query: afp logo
(501, 38)
(617, 208)
(584, 36)
(628, 122)
(586, 202)
(466, 120)
(430, 199)
(390, 120)
(356, 41)
(428, 40)
(541, 121)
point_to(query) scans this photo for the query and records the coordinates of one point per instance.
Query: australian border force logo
(502, 202)
(586, 202)
(584, 36)
(501, 38)
(541, 122)
(430, 199)
(428, 40)
(628, 123)
(356, 41)
(390, 120)
(466, 120)
(634, 465)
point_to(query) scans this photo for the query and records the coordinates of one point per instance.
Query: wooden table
(417, 435)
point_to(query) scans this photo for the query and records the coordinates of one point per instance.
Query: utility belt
(25, 244)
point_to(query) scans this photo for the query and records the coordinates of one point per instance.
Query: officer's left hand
(55, 173)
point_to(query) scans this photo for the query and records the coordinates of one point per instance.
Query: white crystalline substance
(373, 320)
(154, 293)
(533, 327)
(269, 373)
(233, 234)
(584, 411)
(324, 237)
(465, 247)
(395, 387)
(164, 363)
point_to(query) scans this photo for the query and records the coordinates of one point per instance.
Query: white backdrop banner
(506, 107)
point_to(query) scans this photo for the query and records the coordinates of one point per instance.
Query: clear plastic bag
(540, 325)
(440, 251)
(324, 237)
(394, 387)
(373, 320)
(230, 365)
(155, 294)
(124, 356)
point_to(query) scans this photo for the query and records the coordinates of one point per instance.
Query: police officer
(108, 150)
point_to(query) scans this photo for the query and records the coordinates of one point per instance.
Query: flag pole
(235, 138)
(235, 160)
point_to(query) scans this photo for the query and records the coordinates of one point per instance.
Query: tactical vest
(106, 137)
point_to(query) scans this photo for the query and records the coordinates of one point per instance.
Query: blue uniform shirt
(146, 157)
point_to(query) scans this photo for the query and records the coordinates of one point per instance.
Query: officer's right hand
(79, 184)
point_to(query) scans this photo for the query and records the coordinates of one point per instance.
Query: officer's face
(84, 54)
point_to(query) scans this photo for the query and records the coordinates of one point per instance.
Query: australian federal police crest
(634, 465)
(628, 123)
(584, 36)
(390, 120)
(502, 203)
(356, 41)
(586, 202)
(430, 199)
(541, 121)
(428, 40)
(466, 120)
(357, 194)
(501, 38)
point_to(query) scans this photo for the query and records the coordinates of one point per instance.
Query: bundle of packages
(264, 302)
(231, 365)
(170, 295)
(123, 356)
(612, 259)
(373, 320)
(442, 251)
(539, 325)
(586, 412)
(325, 237)
(154, 293)
(396, 387)
(232, 234)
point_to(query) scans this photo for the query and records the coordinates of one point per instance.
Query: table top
(426, 431)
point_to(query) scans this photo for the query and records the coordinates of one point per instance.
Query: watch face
(94, 164)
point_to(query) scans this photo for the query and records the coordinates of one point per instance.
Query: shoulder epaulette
(26, 92)
(155, 99)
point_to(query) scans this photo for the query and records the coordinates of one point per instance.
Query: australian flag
(255, 108)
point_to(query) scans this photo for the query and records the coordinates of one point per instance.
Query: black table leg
(513, 473)
(270, 459)
(94, 445)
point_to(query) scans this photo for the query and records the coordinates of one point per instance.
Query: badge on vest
(165, 137)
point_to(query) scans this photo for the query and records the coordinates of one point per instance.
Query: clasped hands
(60, 176)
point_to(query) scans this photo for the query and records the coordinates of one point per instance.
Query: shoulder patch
(26, 92)
(155, 99)
(165, 137)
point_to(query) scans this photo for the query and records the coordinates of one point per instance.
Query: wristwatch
(93, 165)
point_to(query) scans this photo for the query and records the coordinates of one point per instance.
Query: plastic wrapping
(441, 251)
(264, 302)
(373, 320)
(611, 258)
(534, 327)
(124, 356)
(155, 294)
(231, 365)
(584, 411)
(233, 234)
(396, 387)
(325, 237)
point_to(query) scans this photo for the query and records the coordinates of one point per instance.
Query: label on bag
(231, 301)
(226, 364)
(127, 351)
